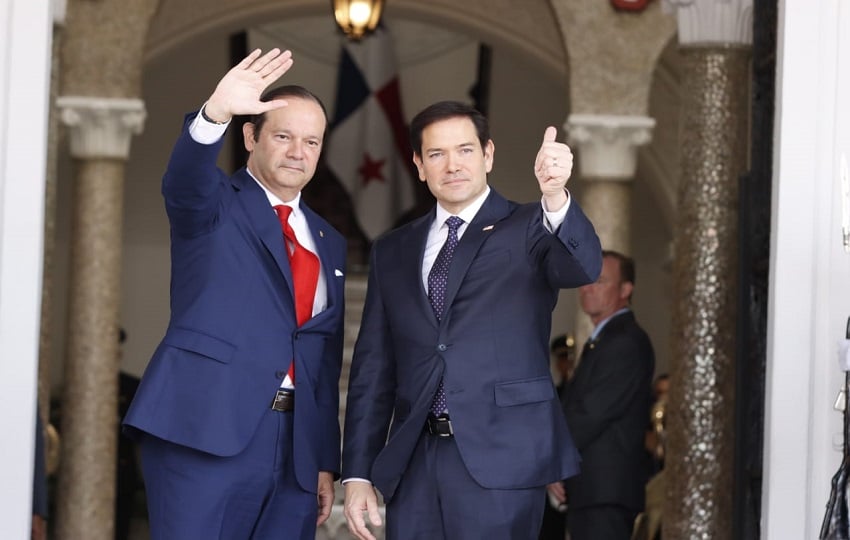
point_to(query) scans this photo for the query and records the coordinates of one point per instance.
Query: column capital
(726, 22)
(607, 144)
(101, 127)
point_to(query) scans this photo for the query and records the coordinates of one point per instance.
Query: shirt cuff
(553, 220)
(355, 479)
(205, 132)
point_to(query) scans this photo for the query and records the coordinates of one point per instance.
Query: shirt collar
(274, 200)
(467, 214)
(604, 321)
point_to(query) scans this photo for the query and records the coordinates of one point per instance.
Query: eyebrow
(440, 149)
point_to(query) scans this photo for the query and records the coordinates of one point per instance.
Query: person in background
(127, 480)
(237, 412)
(453, 346)
(562, 349)
(654, 439)
(606, 406)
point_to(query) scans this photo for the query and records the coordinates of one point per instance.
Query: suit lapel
(494, 209)
(264, 222)
(410, 259)
(588, 353)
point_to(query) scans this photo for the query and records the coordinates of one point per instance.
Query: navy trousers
(253, 495)
(437, 499)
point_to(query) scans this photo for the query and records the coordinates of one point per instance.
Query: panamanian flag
(367, 147)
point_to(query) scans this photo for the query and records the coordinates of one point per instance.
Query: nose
(452, 163)
(295, 149)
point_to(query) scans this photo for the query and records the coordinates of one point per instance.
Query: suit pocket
(203, 344)
(513, 393)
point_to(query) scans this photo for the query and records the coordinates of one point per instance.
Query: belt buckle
(284, 400)
(436, 423)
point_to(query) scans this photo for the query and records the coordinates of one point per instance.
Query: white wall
(810, 271)
(25, 48)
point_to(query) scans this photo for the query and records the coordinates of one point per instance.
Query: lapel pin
(487, 228)
(322, 233)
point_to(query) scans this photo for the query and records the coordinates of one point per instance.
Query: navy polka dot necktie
(437, 279)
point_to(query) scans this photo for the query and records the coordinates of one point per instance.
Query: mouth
(453, 181)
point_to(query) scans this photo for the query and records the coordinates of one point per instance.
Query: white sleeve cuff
(205, 132)
(553, 220)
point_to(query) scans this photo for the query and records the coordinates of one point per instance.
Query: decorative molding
(607, 144)
(529, 27)
(728, 22)
(101, 127)
(319, 37)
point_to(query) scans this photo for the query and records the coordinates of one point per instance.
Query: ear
(626, 289)
(489, 151)
(248, 136)
(417, 160)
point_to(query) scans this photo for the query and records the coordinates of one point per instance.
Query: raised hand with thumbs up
(552, 167)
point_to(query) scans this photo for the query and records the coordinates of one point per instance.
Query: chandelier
(357, 17)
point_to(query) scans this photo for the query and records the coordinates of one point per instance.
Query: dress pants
(437, 499)
(193, 495)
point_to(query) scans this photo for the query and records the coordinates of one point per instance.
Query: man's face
(453, 163)
(609, 294)
(285, 154)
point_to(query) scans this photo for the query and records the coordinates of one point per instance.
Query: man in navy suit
(454, 349)
(234, 444)
(606, 405)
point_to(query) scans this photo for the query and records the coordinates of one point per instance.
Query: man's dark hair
(443, 110)
(627, 265)
(283, 92)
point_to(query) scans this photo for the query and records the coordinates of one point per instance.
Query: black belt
(439, 426)
(284, 400)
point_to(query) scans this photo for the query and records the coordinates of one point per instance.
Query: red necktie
(305, 272)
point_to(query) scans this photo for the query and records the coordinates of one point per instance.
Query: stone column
(100, 131)
(715, 38)
(102, 61)
(606, 148)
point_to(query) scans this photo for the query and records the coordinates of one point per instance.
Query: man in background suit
(453, 346)
(606, 407)
(554, 525)
(229, 448)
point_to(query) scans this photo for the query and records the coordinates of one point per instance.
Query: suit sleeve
(572, 256)
(371, 387)
(618, 374)
(193, 186)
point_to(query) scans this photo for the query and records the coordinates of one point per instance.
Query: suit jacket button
(442, 347)
(279, 374)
